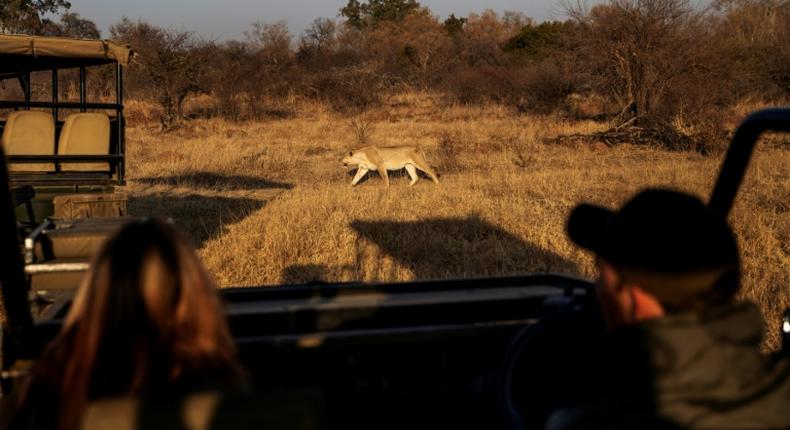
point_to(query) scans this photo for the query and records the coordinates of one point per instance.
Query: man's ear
(608, 276)
(609, 290)
(646, 306)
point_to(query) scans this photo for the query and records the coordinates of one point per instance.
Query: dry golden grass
(268, 202)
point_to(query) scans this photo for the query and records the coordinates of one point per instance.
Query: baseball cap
(658, 232)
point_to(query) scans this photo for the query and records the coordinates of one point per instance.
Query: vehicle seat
(197, 412)
(296, 409)
(29, 133)
(85, 134)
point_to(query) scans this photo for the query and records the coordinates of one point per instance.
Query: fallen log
(664, 137)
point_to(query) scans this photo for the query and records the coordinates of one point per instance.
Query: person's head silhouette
(146, 321)
(663, 251)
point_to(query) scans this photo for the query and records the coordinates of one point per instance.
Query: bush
(664, 60)
(349, 89)
(546, 86)
(539, 88)
(536, 42)
(482, 84)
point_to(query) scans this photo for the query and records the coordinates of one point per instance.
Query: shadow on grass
(304, 273)
(216, 181)
(457, 248)
(200, 217)
(315, 274)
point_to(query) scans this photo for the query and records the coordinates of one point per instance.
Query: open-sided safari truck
(65, 158)
(484, 353)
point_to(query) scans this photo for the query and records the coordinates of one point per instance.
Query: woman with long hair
(146, 323)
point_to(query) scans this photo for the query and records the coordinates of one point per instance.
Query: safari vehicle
(484, 353)
(65, 158)
(59, 147)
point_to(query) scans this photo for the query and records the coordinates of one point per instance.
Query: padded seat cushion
(282, 409)
(196, 413)
(59, 281)
(29, 133)
(90, 205)
(76, 238)
(85, 134)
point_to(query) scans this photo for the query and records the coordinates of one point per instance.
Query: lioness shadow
(457, 248)
(216, 181)
(201, 217)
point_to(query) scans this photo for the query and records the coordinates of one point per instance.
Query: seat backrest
(29, 133)
(85, 134)
(298, 409)
(196, 413)
(116, 414)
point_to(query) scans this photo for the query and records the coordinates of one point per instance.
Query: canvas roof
(19, 53)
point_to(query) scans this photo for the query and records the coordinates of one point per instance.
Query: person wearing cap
(680, 352)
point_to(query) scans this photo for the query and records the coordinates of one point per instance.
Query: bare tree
(514, 21)
(638, 52)
(73, 25)
(173, 61)
(414, 47)
(273, 40)
(485, 33)
(319, 37)
(758, 36)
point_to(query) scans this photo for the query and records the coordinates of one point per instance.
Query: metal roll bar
(12, 277)
(740, 152)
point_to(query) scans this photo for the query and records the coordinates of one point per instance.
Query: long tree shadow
(457, 248)
(216, 181)
(201, 217)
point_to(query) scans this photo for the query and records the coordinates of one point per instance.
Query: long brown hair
(147, 319)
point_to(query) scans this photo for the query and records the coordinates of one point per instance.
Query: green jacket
(701, 370)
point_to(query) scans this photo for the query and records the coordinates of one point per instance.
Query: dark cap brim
(587, 226)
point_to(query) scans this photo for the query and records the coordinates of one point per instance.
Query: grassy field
(268, 202)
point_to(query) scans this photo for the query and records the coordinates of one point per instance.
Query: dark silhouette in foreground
(680, 352)
(147, 323)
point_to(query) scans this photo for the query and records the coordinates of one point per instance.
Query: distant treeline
(643, 61)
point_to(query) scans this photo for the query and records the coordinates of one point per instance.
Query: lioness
(390, 158)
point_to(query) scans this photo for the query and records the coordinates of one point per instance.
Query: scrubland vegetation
(668, 67)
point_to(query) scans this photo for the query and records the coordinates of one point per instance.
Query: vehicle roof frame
(35, 53)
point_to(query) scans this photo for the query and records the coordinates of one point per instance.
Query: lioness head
(348, 159)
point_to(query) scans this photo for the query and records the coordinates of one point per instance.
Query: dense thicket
(658, 64)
